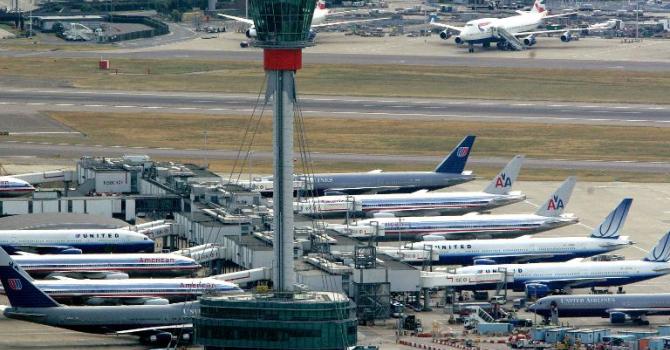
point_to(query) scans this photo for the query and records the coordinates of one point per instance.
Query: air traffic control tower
(283, 319)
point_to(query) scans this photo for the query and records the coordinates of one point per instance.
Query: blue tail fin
(613, 223)
(661, 251)
(19, 287)
(454, 163)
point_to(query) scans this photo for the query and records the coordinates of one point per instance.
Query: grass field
(377, 136)
(361, 80)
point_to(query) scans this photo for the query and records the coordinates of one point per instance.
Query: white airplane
(525, 249)
(607, 25)
(13, 187)
(321, 13)
(538, 280)
(510, 33)
(473, 225)
(76, 241)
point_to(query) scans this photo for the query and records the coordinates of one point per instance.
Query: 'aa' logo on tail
(555, 203)
(462, 151)
(503, 181)
(14, 284)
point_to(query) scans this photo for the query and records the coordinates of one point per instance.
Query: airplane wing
(553, 31)
(330, 24)
(239, 19)
(519, 258)
(641, 311)
(575, 282)
(159, 328)
(561, 15)
(446, 26)
(360, 190)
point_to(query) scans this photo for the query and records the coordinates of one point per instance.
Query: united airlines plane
(76, 241)
(526, 249)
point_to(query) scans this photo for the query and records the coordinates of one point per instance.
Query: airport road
(26, 100)
(63, 150)
(335, 58)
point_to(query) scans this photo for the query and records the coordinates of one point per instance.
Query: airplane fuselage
(384, 182)
(107, 319)
(13, 187)
(529, 249)
(453, 203)
(135, 265)
(594, 273)
(598, 305)
(88, 240)
(469, 226)
(482, 30)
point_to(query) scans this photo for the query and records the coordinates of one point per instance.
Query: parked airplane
(473, 225)
(13, 187)
(133, 291)
(107, 266)
(505, 31)
(448, 173)
(619, 308)
(540, 279)
(154, 324)
(321, 13)
(526, 249)
(76, 241)
(495, 195)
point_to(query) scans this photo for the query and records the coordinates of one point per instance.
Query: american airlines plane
(496, 194)
(505, 31)
(106, 266)
(13, 187)
(540, 279)
(318, 20)
(526, 249)
(473, 225)
(76, 241)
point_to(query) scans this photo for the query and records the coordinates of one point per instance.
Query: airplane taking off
(526, 249)
(540, 279)
(107, 266)
(496, 194)
(321, 13)
(509, 33)
(619, 308)
(154, 324)
(448, 173)
(473, 225)
(13, 187)
(76, 241)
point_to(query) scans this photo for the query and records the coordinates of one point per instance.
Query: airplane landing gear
(471, 48)
(486, 45)
(500, 45)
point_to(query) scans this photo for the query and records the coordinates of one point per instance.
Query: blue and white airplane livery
(473, 225)
(76, 241)
(496, 194)
(540, 279)
(526, 249)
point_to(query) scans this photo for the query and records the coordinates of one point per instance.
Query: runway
(63, 150)
(335, 58)
(22, 101)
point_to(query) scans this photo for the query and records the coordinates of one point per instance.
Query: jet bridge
(511, 40)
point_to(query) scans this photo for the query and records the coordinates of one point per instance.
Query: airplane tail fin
(610, 227)
(321, 5)
(19, 287)
(455, 162)
(555, 205)
(539, 8)
(502, 183)
(661, 251)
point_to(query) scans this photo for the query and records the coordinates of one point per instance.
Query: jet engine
(537, 290)
(458, 40)
(529, 40)
(444, 35)
(251, 33)
(312, 35)
(618, 317)
(484, 262)
(565, 37)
